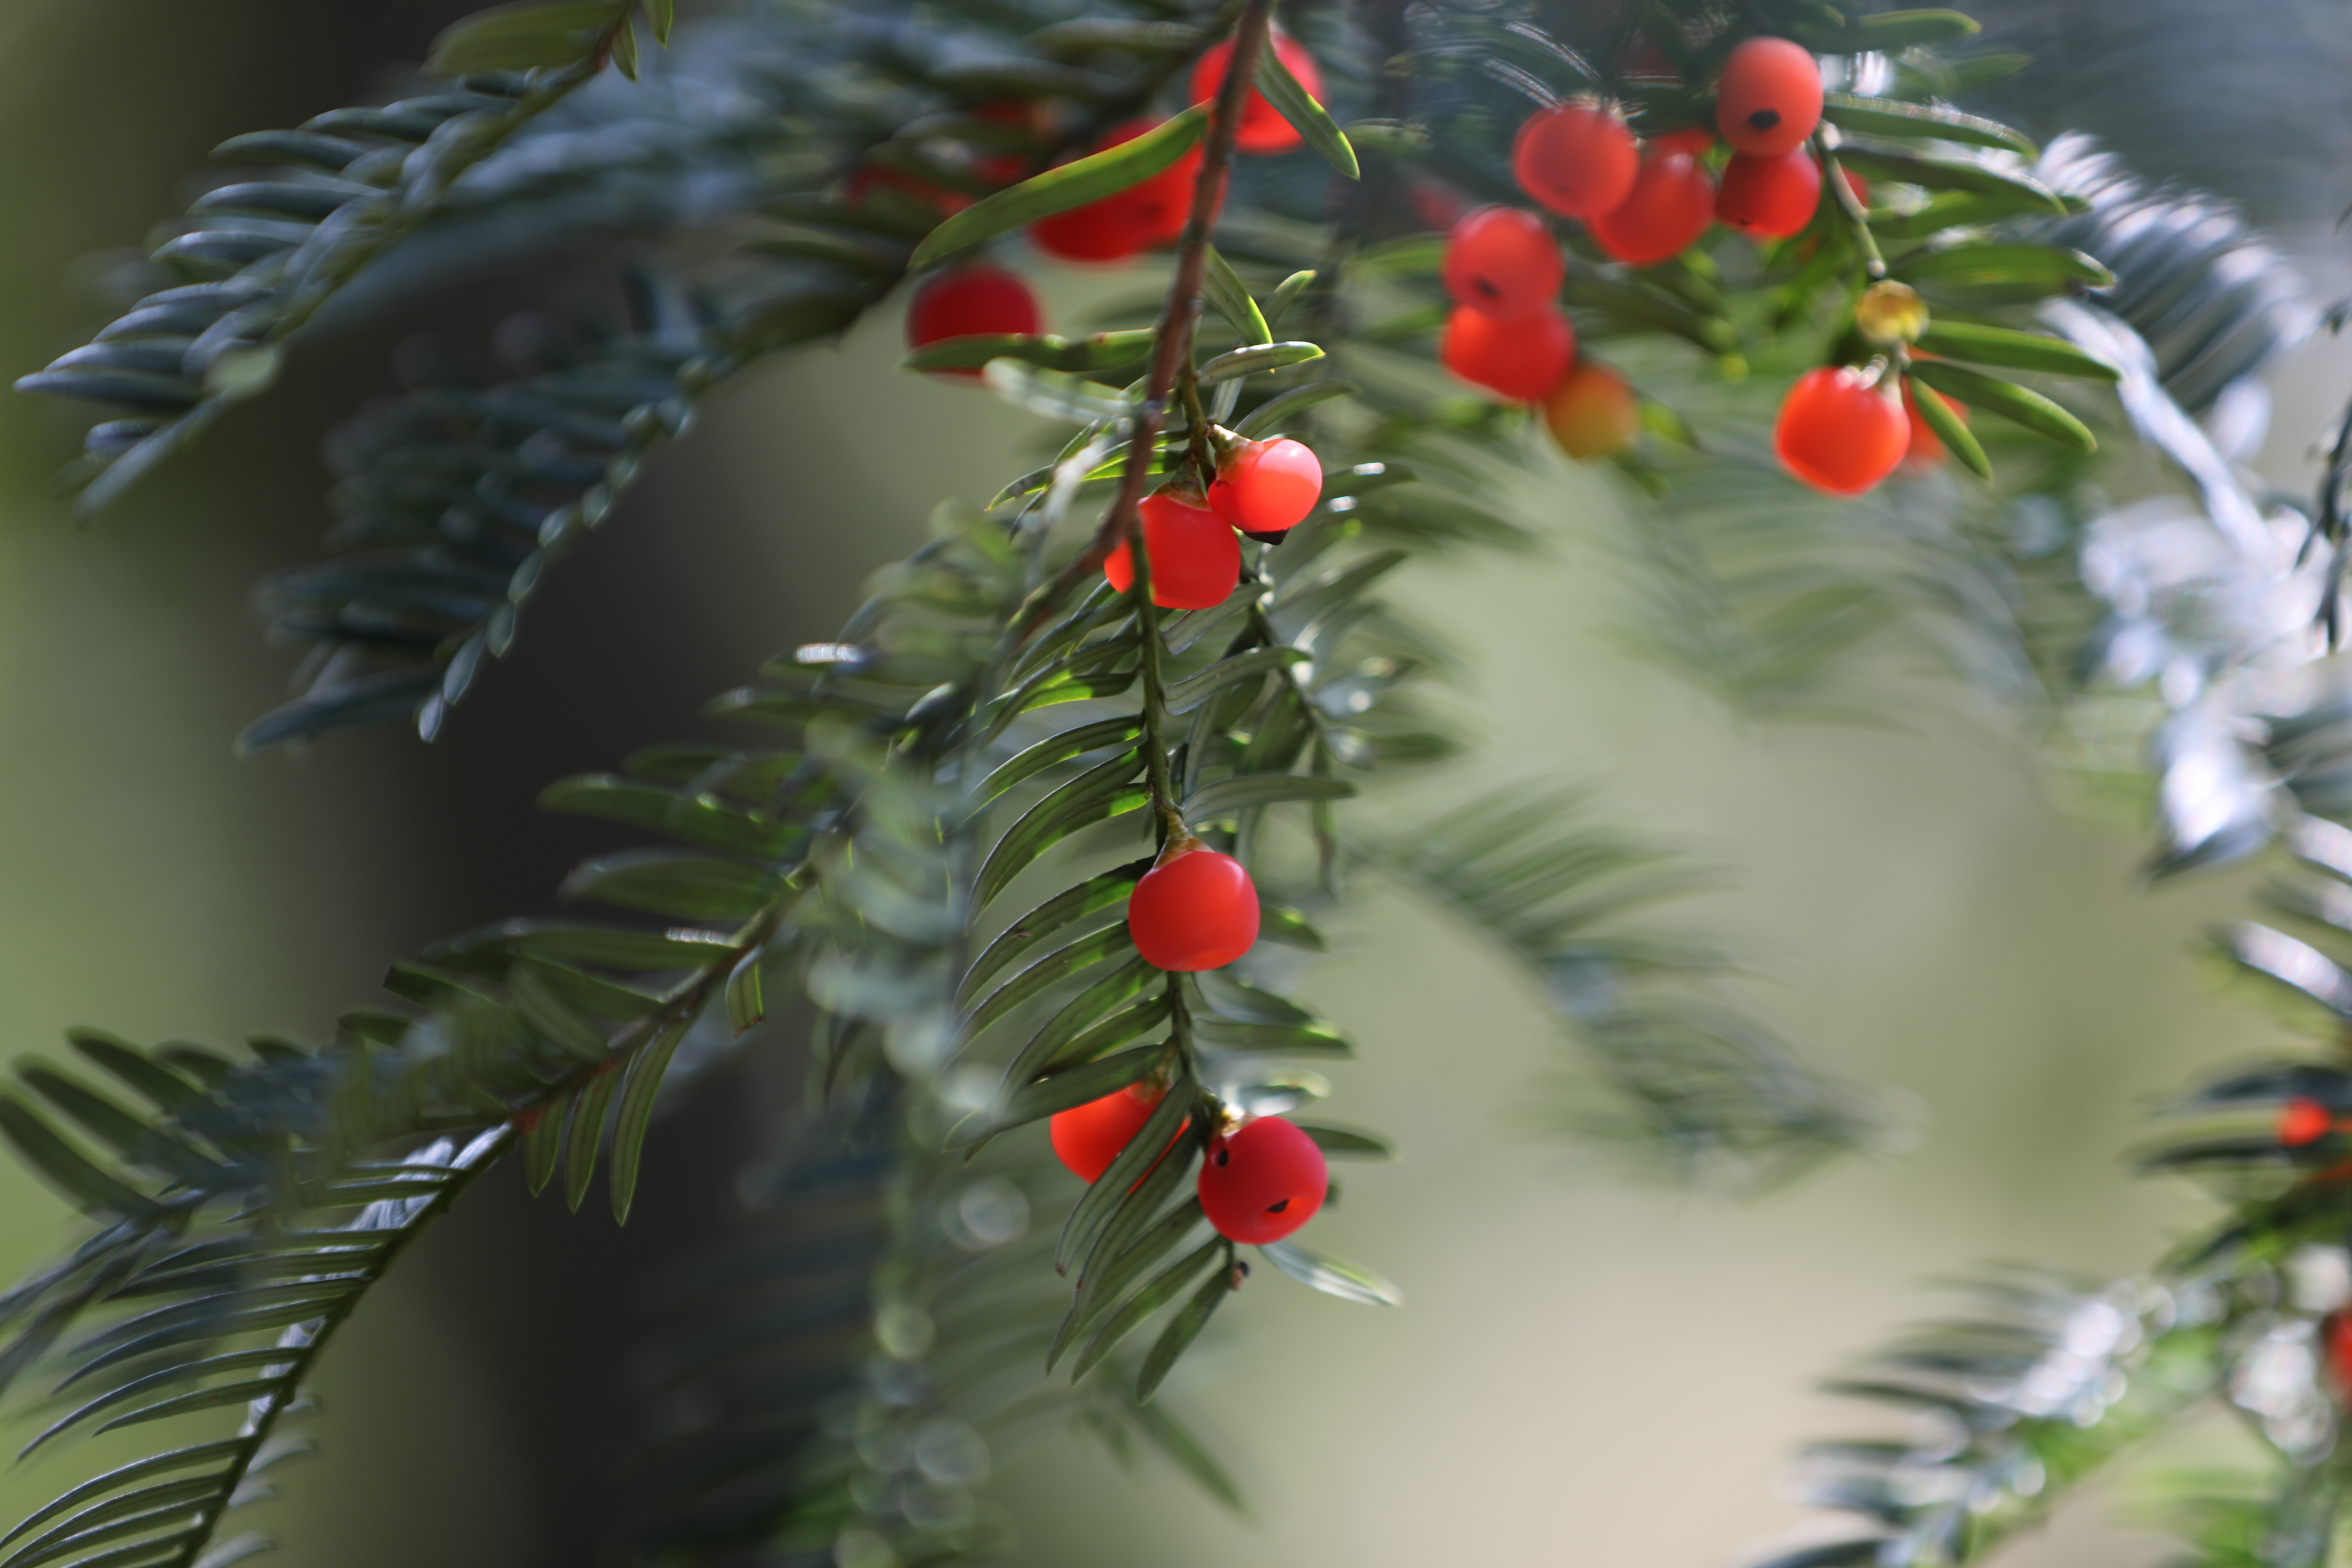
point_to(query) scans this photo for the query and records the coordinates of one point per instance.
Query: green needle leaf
(2015, 350)
(1892, 117)
(1227, 293)
(1074, 185)
(2012, 402)
(1307, 116)
(524, 36)
(1946, 423)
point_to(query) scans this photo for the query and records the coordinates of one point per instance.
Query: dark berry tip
(1764, 119)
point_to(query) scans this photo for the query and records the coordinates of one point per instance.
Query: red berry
(2303, 1120)
(1196, 562)
(1769, 198)
(1124, 223)
(969, 301)
(1503, 262)
(1696, 140)
(1578, 160)
(1435, 203)
(1927, 449)
(1266, 487)
(1099, 232)
(1671, 206)
(1088, 1137)
(1839, 433)
(2335, 1350)
(1262, 127)
(1519, 357)
(1195, 910)
(1770, 97)
(1159, 204)
(1592, 413)
(1262, 1182)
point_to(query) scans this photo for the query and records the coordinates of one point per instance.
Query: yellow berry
(1592, 413)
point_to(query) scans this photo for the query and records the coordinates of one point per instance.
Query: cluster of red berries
(1197, 909)
(1265, 488)
(977, 298)
(1259, 1182)
(1508, 334)
(1153, 212)
(1646, 203)
(1642, 205)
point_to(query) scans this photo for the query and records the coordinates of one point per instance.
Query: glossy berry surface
(2303, 1122)
(968, 302)
(1197, 911)
(1126, 222)
(1672, 203)
(1516, 357)
(1502, 261)
(1770, 97)
(1578, 160)
(1196, 562)
(1839, 433)
(1769, 198)
(1087, 1138)
(1267, 486)
(1262, 129)
(1592, 413)
(1927, 449)
(1262, 1182)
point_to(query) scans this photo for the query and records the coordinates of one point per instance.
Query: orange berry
(1592, 413)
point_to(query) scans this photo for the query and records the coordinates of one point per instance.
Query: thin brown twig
(1171, 345)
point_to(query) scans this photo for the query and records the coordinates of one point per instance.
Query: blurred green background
(1587, 1368)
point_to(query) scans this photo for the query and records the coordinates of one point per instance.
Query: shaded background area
(1585, 1369)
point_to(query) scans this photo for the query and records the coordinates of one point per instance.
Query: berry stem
(1172, 344)
(1197, 433)
(1834, 175)
(1155, 703)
